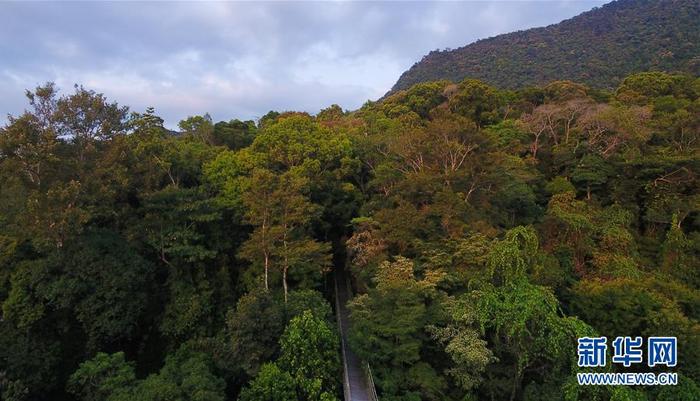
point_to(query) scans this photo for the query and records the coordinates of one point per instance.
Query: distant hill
(598, 47)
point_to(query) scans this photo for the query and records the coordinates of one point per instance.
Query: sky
(241, 59)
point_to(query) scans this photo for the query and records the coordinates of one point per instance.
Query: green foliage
(591, 173)
(560, 185)
(186, 375)
(310, 353)
(281, 214)
(686, 390)
(469, 352)
(271, 384)
(87, 116)
(640, 308)
(389, 330)
(234, 134)
(105, 377)
(189, 309)
(484, 230)
(301, 301)
(559, 91)
(678, 256)
(645, 86)
(297, 142)
(254, 327)
(522, 318)
(332, 113)
(12, 390)
(308, 367)
(199, 127)
(476, 101)
(31, 360)
(98, 279)
(420, 99)
(507, 135)
(259, 320)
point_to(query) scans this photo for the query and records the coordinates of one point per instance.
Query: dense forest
(598, 48)
(485, 231)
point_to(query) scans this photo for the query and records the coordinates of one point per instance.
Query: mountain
(598, 47)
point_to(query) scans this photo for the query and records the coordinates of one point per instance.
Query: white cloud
(239, 60)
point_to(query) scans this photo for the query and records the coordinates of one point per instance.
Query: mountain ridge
(598, 47)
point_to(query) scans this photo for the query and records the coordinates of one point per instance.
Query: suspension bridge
(358, 384)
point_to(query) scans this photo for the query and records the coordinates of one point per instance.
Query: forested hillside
(598, 48)
(485, 230)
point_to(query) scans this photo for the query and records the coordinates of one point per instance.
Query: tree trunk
(284, 270)
(286, 263)
(284, 283)
(267, 256)
(267, 267)
(516, 382)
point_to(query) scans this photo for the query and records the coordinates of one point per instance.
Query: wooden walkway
(355, 381)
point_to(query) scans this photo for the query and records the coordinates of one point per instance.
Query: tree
(254, 329)
(281, 215)
(105, 377)
(463, 343)
(234, 134)
(420, 98)
(29, 145)
(99, 280)
(255, 326)
(609, 130)
(32, 360)
(643, 307)
(558, 91)
(174, 222)
(12, 390)
(520, 320)
(476, 101)
(313, 301)
(330, 113)
(310, 353)
(686, 390)
(677, 255)
(86, 117)
(309, 365)
(270, 384)
(554, 124)
(389, 330)
(200, 127)
(186, 375)
(639, 88)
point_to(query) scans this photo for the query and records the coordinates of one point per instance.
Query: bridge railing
(370, 383)
(346, 385)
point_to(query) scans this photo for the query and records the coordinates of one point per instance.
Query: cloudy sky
(239, 60)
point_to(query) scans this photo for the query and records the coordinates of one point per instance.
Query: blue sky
(241, 59)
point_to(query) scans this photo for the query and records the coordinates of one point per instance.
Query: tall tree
(281, 215)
